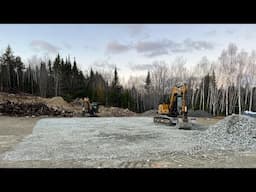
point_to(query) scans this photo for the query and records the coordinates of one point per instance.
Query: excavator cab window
(166, 99)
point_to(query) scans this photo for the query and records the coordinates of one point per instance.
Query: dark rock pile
(31, 109)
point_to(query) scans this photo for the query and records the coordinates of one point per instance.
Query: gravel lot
(96, 139)
(125, 142)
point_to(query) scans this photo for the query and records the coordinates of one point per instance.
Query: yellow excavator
(175, 113)
(89, 109)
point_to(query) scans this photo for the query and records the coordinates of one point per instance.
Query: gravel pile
(151, 112)
(114, 112)
(232, 133)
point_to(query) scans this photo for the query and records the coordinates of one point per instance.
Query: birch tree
(251, 74)
(203, 67)
(242, 58)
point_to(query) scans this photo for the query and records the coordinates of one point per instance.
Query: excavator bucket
(184, 125)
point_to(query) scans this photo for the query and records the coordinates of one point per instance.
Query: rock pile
(114, 112)
(31, 109)
(232, 133)
(77, 102)
(58, 102)
(149, 113)
(26, 105)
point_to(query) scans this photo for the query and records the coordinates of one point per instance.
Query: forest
(222, 86)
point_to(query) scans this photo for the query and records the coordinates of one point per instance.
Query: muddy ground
(13, 130)
(132, 142)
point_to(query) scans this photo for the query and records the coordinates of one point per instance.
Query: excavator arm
(173, 102)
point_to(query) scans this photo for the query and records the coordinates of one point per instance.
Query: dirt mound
(232, 133)
(149, 113)
(114, 112)
(31, 109)
(21, 104)
(199, 113)
(57, 102)
(18, 104)
(19, 98)
(77, 102)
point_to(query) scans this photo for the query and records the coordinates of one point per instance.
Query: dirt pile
(232, 133)
(21, 104)
(27, 105)
(149, 113)
(58, 102)
(77, 102)
(20, 98)
(114, 112)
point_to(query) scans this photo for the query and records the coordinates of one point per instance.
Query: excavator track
(172, 121)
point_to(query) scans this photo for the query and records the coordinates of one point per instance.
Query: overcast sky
(132, 48)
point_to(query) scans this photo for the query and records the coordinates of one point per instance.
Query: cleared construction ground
(127, 142)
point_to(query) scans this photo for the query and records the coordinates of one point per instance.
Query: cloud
(141, 67)
(116, 47)
(164, 47)
(135, 29)
(197, 45)
(230, 32)
(104, 64)
(211, 33)
(40, 45)
(151, 46)
(157, 53)
(67, 45)
(161, 47)
(90, 48)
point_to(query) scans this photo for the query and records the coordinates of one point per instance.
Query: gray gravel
(236, 133)
(126, 138)
(149, 113)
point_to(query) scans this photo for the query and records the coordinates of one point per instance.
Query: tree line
(221, 87)
(60, 77)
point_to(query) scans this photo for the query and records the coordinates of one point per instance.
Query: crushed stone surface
(124, 139)
(136, 138)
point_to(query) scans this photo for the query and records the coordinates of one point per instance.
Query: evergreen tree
(56, 71)
(147, 96)
(116, 89)
(8, 60)
(91, 74)
(115, 81)
(148, 81)
(20, 67)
